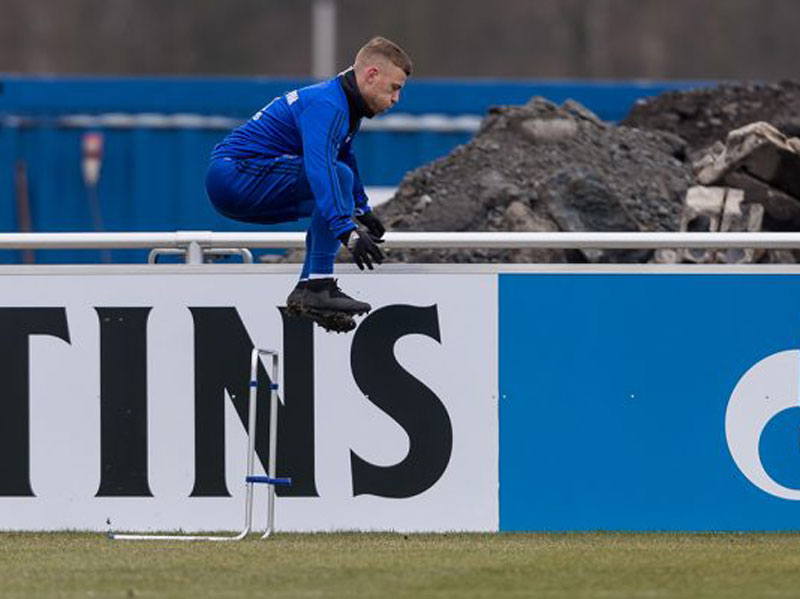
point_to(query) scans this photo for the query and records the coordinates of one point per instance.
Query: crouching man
(294, 159)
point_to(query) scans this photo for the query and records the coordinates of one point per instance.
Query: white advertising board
(118, 408)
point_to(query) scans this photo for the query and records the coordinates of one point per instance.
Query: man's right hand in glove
(362, 247)
(372, 223)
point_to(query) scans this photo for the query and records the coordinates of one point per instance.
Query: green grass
(72, 565)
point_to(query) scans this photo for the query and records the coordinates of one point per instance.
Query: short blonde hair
(380, 47)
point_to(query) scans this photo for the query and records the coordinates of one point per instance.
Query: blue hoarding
(649, 402)
(152, 176)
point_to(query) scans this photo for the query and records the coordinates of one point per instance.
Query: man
(294, 159)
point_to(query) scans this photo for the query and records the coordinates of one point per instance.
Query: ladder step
(266, 480)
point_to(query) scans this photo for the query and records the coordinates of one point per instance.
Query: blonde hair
(380, 47)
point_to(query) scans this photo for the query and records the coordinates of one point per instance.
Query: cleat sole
(335, 322)
(294, 310)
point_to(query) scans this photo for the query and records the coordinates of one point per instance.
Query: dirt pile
(543, 167)
(705, 116)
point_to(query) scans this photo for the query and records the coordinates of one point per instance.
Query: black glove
(372, 223)
(363, 247)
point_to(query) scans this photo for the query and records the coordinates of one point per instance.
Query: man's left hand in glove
(363, 247)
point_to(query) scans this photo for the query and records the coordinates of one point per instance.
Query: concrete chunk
(715, 209)
(702, 213)
(758, 149)
(549, 130)
(739, 217)
(781, 211)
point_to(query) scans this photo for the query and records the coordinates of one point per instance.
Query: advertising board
(125, 395)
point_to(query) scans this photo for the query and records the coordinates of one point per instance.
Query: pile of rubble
(749, 183)
(745, 161)
(706, 115)
(543, 167)
(700, 160)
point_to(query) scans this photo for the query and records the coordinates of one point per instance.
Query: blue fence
(152, 175)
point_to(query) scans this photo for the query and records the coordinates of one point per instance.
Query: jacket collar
(358, 107)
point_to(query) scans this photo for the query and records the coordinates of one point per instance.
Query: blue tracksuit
(294, 159)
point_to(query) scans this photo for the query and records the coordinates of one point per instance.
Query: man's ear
(371, 73)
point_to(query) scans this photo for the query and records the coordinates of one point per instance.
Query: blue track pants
(276, 190)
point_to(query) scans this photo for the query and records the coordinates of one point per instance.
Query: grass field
(72, 565)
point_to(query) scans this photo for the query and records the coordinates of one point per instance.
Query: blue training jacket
(317, 123)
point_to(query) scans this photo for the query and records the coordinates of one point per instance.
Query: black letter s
(410, 403)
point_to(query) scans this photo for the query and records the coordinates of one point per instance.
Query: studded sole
(337, 322)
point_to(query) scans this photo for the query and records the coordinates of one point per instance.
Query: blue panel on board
(649, 402)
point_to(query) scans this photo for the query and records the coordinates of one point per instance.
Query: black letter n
(222, 363)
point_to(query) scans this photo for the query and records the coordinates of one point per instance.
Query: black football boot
(321, 301)
(324, 295)
(294, 303)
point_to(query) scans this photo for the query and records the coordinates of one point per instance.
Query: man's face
(381, 87)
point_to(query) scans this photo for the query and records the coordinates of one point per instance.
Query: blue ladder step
(268, 481)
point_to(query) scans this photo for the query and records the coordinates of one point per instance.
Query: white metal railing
(195, 243)
(404, 240)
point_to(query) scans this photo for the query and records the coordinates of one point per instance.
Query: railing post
(194, 253)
